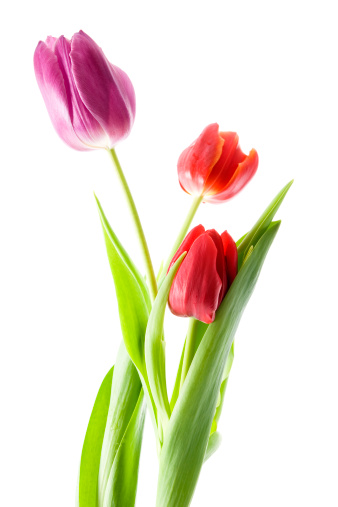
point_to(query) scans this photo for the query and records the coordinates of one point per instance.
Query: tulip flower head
(90, 101)
(214, 166)
(205, 275)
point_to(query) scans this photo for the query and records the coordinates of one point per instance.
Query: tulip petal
(231, 256)
(197, 285)
(220, 262)
(242, 175)
(53, 90)
(197, 161)
(225, 167)
(187, 243)
(105, 89)
(85, 125)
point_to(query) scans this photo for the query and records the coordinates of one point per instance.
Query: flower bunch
(207, 277)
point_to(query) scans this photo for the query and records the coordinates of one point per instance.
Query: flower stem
(189, 350)
(144, 247)
(184, 229)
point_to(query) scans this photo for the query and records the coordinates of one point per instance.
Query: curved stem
(189, 350)
(184, 229)
(144, 247)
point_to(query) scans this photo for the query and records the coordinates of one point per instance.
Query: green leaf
(91, 450)
(131, 296)
(225, 378)
(176, 389)
(200, 329)
(215, 441)
(125, 393)
(155, 345)
(124, 472)
(187, 433)
(261, 225)
(123, 254)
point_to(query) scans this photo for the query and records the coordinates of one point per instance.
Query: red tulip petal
(196, 162)
(242, 175)
(85, 125)
(196, 286)
(104, 88)
(187, 242)
(220, 262)
(53, 90)
(225, 167)
(231, 256)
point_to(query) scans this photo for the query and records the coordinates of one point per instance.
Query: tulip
(205, 275)
(90, 101)
(214, 166)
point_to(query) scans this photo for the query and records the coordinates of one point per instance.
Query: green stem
(144, 247)
(184, 229)
(189, 350)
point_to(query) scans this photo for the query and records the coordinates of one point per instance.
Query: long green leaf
(155, 345)
(133, 303)
(124, 472)
(261, 225)
(123, 254)
(200, 329)
(125, 392)
(187, 433)
(133, 308)
(91, 450)
(225, 378)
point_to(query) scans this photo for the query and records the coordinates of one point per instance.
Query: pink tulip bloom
(205, 275)
(90, 101)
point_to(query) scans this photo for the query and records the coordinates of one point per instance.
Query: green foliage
(125, 394)
(188, 430)
(91, 450)
(155, 346)
(119, 460)
(131, 293)
(251, 238)
(122, 482)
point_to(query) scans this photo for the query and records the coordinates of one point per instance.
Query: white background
(265, 69)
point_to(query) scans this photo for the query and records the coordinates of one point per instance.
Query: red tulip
(90, 101)
(205, 275)
(215, 166)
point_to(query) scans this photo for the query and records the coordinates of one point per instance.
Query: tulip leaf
(225, 378)
(123, 254)
(176, 389)
(155, 345)
(133, 303)
(214, 442)
(199, 330)
(261, 225)
(131, 295)
(122, 483)
(91, 450)
(188, 430)
(124, 397)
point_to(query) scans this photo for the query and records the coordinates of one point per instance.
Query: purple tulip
(90, 101)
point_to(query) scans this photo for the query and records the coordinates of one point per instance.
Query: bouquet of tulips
(207, 277)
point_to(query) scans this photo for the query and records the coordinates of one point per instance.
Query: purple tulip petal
(52, 87)
(105, 89)
(85, 125)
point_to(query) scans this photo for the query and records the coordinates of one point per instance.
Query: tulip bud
(214, 166)
(205, 274)
(90, 101)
